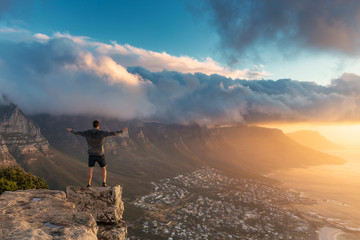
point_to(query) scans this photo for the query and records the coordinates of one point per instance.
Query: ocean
(336, 188)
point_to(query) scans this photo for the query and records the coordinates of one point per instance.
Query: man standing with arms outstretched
(95, 139)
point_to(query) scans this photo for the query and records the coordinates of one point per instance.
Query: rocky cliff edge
(47, 214)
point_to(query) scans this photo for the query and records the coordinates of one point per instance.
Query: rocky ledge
(43, 214)
(47, 214)
(105, 205)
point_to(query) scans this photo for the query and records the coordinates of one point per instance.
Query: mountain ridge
(154, 150)
(182, 146)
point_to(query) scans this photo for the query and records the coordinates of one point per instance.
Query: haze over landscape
(227, 104)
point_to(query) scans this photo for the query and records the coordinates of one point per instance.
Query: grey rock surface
(104, 203)
(6, 159)
(112, 232)
(20, 134)
(43, 214)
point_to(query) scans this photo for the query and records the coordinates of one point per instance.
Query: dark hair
(96, 123)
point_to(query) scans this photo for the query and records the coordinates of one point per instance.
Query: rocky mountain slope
(20, 137)
(6, 159)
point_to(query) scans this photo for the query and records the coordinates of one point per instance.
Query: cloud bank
(316, 25)
(64, 74)
(127, 55)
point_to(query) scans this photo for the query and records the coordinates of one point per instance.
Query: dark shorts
(97, 158)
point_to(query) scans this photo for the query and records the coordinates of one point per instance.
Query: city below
(206, 204)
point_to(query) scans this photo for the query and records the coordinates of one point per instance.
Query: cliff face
(6, 159)
(111, 208)
(20, 135)
(105, 205)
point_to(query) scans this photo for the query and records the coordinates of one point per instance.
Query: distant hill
(312, 139)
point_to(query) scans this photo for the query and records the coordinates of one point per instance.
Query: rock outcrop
(112, 231)
(20, 134)
(6, 159)
(43, 214)
(47, 214)
(105, 204)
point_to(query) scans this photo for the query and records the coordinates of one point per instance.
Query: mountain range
(147, 152)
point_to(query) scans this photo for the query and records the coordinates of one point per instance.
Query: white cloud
(74, 75)
(128, 55)
(41, 36)
(108, 69)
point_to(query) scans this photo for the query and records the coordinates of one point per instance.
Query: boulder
(104, 203)
(112, 232)
(43, 214)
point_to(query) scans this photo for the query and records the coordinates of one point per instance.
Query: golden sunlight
(347, 135)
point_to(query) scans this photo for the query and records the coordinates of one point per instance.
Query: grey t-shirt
(95, 139)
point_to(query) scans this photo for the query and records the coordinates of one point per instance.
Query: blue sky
(209, 61)
(177, 27)
(159, 25)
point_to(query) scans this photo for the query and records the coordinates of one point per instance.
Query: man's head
(96, 124)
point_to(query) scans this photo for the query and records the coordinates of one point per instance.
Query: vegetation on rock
(15, 178)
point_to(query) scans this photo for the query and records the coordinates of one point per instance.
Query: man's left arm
(107, 134)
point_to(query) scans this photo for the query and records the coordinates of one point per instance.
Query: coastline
(329, 233)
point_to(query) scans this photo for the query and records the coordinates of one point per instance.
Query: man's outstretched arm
(107, 134)
(81, 133)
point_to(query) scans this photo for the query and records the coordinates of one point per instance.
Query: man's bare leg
(90, 173)
(103, 174)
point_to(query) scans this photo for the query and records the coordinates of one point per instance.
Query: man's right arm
(81, 133)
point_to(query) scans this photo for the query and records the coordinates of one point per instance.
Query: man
(95, 139)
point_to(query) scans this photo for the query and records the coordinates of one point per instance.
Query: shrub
(15, 178)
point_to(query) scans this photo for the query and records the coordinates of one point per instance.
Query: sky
(275, 34)
(209, 61)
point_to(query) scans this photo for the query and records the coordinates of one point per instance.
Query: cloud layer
(65, 74)
(317, 25)
(127, 55)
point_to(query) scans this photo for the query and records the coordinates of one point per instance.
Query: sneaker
(88, 186)
(105, 184)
